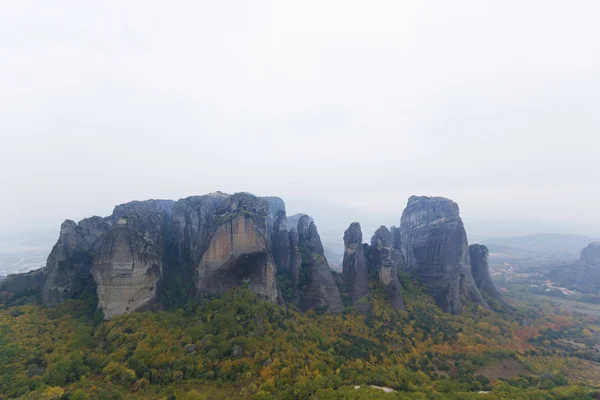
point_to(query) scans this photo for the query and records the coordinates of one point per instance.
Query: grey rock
(23, 283)
(276, 205)
(237, 351)
(68, 269)
(281, 244)
(190, 348)
(157, 206)
(434, 243)
(238, 250)
(129, 263)
(295, 263)
(386, 260)
(481, 274)
(292, 222)
(354, 268)
(318, 285)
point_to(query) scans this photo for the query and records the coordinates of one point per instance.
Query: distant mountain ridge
(556, 244)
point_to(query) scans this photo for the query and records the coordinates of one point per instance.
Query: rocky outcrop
(295, 264)
(318, 287)
(292, 222)
(481, 275)
(29, 282)
(280, 242)
(354, 268)
(591, 254)
(434, 243)
(238, 250)
(276, 205)
(129, 263)
(68, 269)
(386, 261)
(582, 275)
(157, 206)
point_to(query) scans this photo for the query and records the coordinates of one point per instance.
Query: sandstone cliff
(129, 263)
(318, 287)
(238, 250)
(354, 268)
(386, 261)
(434, 243)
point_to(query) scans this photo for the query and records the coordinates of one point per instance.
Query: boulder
(386, 261)
(434, 244)
(318, 287)
(354, 268)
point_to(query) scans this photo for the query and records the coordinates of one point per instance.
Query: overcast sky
(495, 104)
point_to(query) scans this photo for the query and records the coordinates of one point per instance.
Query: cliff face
(23, 283)
(238, 250)
(481, 274)
(387, 260)
(129, 263)
(318, 285)
(434, 243)
(68, 269)
(354, 268)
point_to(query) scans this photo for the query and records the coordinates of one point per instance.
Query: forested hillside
(237, 346)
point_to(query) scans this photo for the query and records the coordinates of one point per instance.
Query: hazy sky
(495, 104)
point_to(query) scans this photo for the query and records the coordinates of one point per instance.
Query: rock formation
(318, 287)
(386, 261)
(292, 222)
(68, 269)
(280, 243)
(434, 243)
(481, 275)
(295, 264)
(354, 268)
(591, 254)
(276, 205)
(156, 206)
(238, 250)
(129, 263)
(582, 275)
(29, 282)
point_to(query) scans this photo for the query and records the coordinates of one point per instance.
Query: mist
(347, 103)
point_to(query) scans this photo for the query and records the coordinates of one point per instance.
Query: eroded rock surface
(129, 263)
(354, 268)
(68, 268)
(481, 274)
(386, 260)
(318, 284)
(434, 243)
(238, 250)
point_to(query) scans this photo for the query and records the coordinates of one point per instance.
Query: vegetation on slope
(238, 346)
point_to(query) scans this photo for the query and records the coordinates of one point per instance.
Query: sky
(494, 104)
